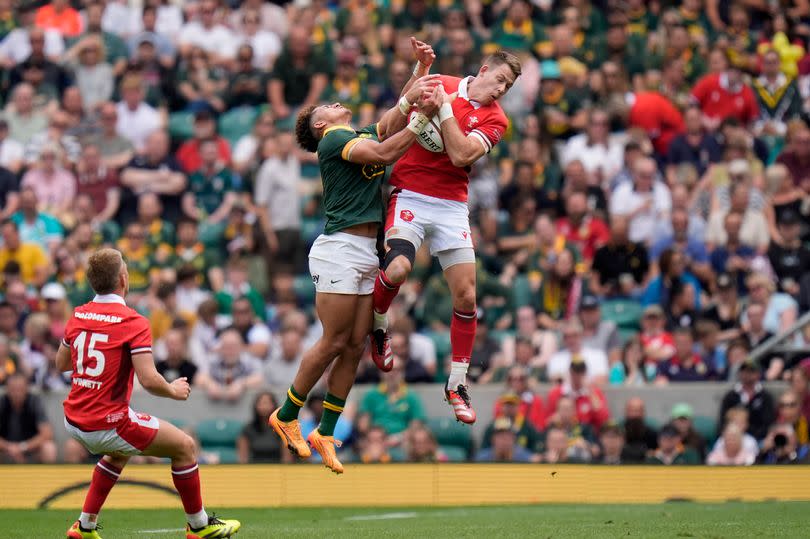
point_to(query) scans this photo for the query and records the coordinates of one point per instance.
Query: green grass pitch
(731, 520)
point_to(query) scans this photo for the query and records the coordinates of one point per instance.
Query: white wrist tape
(404, 106)
(445, 112)
(420, 70)
(417, 123)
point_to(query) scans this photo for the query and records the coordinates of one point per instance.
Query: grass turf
(722, 520)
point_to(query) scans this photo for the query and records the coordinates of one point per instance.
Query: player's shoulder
(334, 138)
(494, 112)
(111, 313)
(450, 83)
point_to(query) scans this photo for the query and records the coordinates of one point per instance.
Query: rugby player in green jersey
(343, 260)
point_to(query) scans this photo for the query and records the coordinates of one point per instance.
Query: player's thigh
(362, 322)
(405, 218)
(336, 313)
(170, 442)
(449, 231)
(461, 279)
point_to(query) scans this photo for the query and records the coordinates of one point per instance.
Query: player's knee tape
(399, 247)
(451, 257)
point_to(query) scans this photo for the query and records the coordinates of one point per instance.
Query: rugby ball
(430, 138)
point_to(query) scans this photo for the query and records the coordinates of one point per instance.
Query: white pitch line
(383, 516)
(164, 530)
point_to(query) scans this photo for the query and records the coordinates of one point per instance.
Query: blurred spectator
(680, 239)
(48, 78)
(641, 439)
(54, 186)
(258, 442)
(164, 47)
(285, 359)
(724, 95)
(644, 202)
(541, 342)
(595, 360)
(249, 150)
(94, 76)
(531, 404)
(212, 188)
(632, 369)
(612, 443)
(672, 269)
(176, 363)
(585, 232)
(789, 256)
(621, 267)
(416, 371)
(798, 384)
(372, 447)
(235, 284)
(60, 16)
(755, 334)
(17, 45)
(602, 156)
(189, 154)
(392, 405)
(116, 151)
(232, 371)
(685, 365)
(420, 446)
(37, 226)
(314, 409)
(258, 338)
(726, 308)
(30, 257)
(558, 450)
(25, 433)
(712, 354)
(203, 340)
(299, 77)
(778, 97)
(600, 334)
(752, 230)
(671, 450)
(695, 147)
(681, 418)
(591, 405)
(137, 120)
(24, 120)
(781, 446)
(795, 155)
(732, 452)
(206, 32)
(780, 309)
(503, 444)
(750, 393)
(581, 436)
(789, 413)
(100, 182)
(512, 406)
(11, 161)
(560, 293)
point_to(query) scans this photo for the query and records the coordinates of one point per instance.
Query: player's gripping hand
(180, 389)
(422, 87)
(445, 97)
(429, 105)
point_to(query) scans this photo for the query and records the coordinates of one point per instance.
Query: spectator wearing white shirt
(16, 47)
(164, 47)
(11, 151)
(255, 333)
(595, 360)
(136, 119)
(278, 201)
(273, 18)
(646, 202)
(207, 34)
(754, 229)
(248, 149)
(281, 368)
(266, 45)
(601, 157)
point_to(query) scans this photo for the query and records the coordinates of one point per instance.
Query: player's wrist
(404, 105)
(417, 123)
(420, 70)
(445, 112)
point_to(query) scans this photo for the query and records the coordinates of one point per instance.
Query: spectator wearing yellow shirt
(32, 259)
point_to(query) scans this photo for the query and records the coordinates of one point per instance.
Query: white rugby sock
(197, 520)
(458, 374)
(88, 521)
(380, 321)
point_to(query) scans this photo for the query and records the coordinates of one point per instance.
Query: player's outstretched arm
(153, 381)
(462, 150)
(394, 120)
(368, 152)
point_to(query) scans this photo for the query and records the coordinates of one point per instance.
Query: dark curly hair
(304, 134)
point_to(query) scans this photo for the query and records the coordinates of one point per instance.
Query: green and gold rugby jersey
(351, 192)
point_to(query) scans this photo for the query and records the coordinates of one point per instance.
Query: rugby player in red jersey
(429, 203)
(106, 343)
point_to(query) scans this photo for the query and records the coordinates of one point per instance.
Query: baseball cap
(578, 363)
(668, 431)
(682, 409)
(203, 115)
(502, 424)
(550, 69)
(54, 291)
(509, 397)
(589, 301)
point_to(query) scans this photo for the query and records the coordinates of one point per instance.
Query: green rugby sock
(292, 405)
(332, 408)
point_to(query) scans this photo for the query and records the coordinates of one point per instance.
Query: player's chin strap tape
(399, 247)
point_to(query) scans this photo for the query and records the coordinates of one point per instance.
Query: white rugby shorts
(342, 263)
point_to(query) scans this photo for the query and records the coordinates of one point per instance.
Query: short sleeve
(337, 144)
(69, 332)
(490, 131)
(141, 341)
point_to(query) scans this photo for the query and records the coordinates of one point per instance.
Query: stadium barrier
(381, 485)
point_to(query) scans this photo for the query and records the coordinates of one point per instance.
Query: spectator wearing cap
(750, 393)
(733, 451)
(531, 404)
(562, 113)
(790, 257)
(621, 267)
(504, 445)
(137, 120)
(612, 444)
(155, 171)
(299, 76)
(681, 418)
(781, 309)
(725, 95)
(24, 120)
(11, 160)
(695, 146)
(56, 307)
(591, 405)
(796, 153)
(509, 406)
(25, 433)
(595, 360)
(31, 258)
(175, 362)
(644, 202)
(581, 228)
(671, 450)
(657, 344)
(231, 372)
(685, 365)
(600, 334)
(206, 33)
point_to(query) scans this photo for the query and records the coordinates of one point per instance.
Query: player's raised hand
(423, 52)
(429, 105)
(180, 389)
(422, 87)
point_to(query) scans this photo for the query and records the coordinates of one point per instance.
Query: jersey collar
(109, 298)
(337, 128)
(463, 93)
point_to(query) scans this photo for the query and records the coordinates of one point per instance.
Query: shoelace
(462, 392)
(213, 520)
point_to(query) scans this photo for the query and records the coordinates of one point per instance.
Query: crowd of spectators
(644, 222)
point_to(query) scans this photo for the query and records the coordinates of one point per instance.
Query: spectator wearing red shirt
(205, 127)
(531, 404)
(725, 95)
(656, 343)
(657, 116)
(579, 227)
(99, 182)
(796, 154)
(60, 16)
(591, 405)
(685, 365)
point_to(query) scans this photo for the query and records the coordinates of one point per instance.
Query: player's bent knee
(399, 259)
(188, 449)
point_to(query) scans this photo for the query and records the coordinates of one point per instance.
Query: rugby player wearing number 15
(105, 344)
(429, 203)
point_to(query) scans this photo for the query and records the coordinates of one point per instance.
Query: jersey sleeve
(338, 144)
(141, 341)
(490, 131)
(373, 130)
